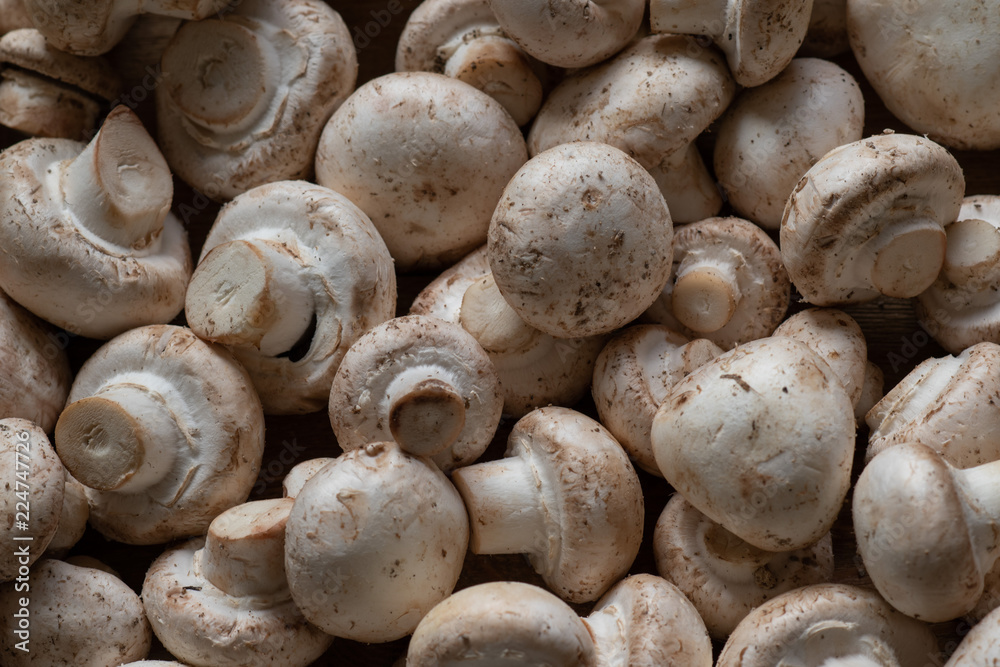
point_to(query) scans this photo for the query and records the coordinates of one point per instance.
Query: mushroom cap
(981, 646)
(870, 217)
(79, 616)
(826, 622)
(72, 518)
(426, 157)
(362, 409)
(570, 33)
(827, 33)
(217, 411)
(32, 495)
(344, 265)
(442, 297)
(761, 440)
(579, 244)
(374, 541)
(633, 376)
(301, 473)
(28, 49)
(302, 65)
(434, 25)
(774, 133)
(760, 278)
(935, 71)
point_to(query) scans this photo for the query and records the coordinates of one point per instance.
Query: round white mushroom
(73, 518)
(301, 473)
(981, 646)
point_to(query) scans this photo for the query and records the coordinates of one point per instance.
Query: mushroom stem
(688, 17)
(119, 188)
(706, 293)
(908, 257)
(972, 258)
(426, 412)
(490, 319)
(251, 293)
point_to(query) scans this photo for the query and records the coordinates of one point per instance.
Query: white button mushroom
(422, 382)
(224, 599)
(73, 518)
(301, 473)
(872, 391)
(243, 100)
(166, 432)
(374, 541)
(868, 218)
(291, 265)
(566, 495)
(981, 646)
(426, 157)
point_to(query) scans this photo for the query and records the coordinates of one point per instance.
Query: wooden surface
(896, 343)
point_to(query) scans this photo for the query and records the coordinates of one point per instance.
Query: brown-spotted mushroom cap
(31, 497)
(244, 97)
(951, 404)
(827, 33)
(926, 530)
(834, 625)
(723, 576)
(291, 274)
(166, 432)
(580, 242)
(499, 623)
(981, 646)
(98, 251)
(566, 495)
(868, 218)
(374, 541)
(727, 283)
(78, 616)
(632, 378)
(224, 599)
(761, 440)
(426, 157)
(297, 477)
(462, 39)
(422, 382)
(73, 518)
(774, 133)
(645, 621)
(651, 101)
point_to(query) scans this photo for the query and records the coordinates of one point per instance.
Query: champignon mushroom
(773, 134)
(566, 495)
(166, 432)
(297, 477)
(98, 251)
(632, 378)
(872, 391)
(868, 219)
(827, 33)
(72, 518)
(926, 531)
(374, 541)
(981, 646)
(422, 382)
(224, 599)
(75, 616)
(834, 625)
(243, 100)
(727, 283)
(761, 440)
(723, 576)
(290, 266)
(758, 38)
(426, 157)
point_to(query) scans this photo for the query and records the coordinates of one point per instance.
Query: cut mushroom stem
(972, 258)
(705, 296)
(490, 319)
(426, 414)
(244, 552)
(909, 259)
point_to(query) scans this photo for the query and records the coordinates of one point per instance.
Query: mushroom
(426, 157)
(727, 283)
(758, 38)
(570, 33)
(651, 101)
(566, 495)
(502, 622)
(951, 404)
(926, 530)
(291, 274)
(827, 33)
(72, 518)
(723, 576)
(223, 599)
(297, 477)
(31, 499)
(70, 615)
(633, 377)
(422, 382)
(166, 432)
(462, 39)
(872, 391)
(374, 541)
(981, 646)
(13, 16)
(243, 100)
(773, 134)
(834, 625)
(761, 440)
(47, 93)
(579, 244)
(98, 251)
(868, 219)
